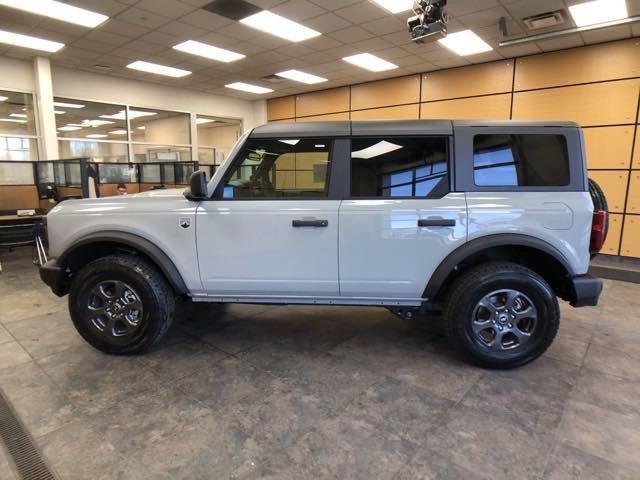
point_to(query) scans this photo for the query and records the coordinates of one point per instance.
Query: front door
(272, 230)
(401, 219)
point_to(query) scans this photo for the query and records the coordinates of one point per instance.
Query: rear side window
(399, 167)
(520, 160)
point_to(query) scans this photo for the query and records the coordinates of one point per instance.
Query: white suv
(485, 222)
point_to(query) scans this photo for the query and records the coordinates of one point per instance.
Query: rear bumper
(586, 290)
(54, 276)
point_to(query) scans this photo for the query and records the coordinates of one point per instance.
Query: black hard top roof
(388, 127)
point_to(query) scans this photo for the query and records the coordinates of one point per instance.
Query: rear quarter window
(520, 160)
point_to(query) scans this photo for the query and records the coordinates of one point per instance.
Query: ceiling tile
(334, 4)
(167, 8)
(483, 18)
(372, 44)
(322, 43)
(298, 10)
(106, 37)
(350, 35)
(463, 7)
(143, 18)
(362, 12)
(382, 26)
(206, 20)
(326, 23)
(125, 29)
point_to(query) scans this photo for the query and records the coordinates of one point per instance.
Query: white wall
(16, 75)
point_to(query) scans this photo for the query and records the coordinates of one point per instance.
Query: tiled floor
(313, 392)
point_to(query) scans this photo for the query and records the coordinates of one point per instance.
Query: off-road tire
(474, 285)
(155, 294)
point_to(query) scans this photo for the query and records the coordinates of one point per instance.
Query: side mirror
(197, 186)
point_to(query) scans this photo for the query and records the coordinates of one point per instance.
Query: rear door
(400, 219)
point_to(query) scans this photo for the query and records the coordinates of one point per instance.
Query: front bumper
(54, 276)
(586, 290)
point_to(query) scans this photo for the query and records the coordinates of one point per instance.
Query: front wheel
(121, 304)
(501, 315)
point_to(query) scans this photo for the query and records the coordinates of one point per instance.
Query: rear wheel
(121, 304)
(501, 315)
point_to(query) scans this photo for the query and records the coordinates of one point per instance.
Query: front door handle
(436, 223)
(310, 223)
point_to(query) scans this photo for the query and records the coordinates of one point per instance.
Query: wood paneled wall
(597, 86)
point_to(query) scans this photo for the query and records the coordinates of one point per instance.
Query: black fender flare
(477, 245)
(138, 243)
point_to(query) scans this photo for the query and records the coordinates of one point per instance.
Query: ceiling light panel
(12, 120)
(247, 87)
(598, 11)
(370, 62)
(202, 121)
(69, 128)
(68, 105)
(158, 69)
(2, 99)
(465, 43)
(208, 51)
(395, 6)
(269, 22)
(27, 41)
(302, 77)
(59, 11)
(96, 135)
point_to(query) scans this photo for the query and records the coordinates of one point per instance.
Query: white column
(194, 137)
(48, 142)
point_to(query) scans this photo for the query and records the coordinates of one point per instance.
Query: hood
(162, 193)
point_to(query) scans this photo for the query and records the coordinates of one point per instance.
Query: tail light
(598, 231)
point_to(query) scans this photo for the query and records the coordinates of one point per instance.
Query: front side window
(399, 167)
(520, 160)
(280, 168)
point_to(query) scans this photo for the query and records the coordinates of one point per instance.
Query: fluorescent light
(118, 132)
(465, 43)
(201, 121)
(370, 62)
(59, 112)
(13, 120)
(121, 115)
(2, 99)
(598, 11)
(298, 76)
(269, 22)
(376, 150)
(290, 142)
(142, 128)
(94, 123)
(158, 69)
(247, 87)
(395, 6)
(68, 105)
(69, 128)
(96, 135)
(18, 115)
(59, 11)
(208, 51)
(27, 41)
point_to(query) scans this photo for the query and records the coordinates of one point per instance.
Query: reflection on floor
(319, 392)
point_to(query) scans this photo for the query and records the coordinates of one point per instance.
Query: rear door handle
(436, 223)
(310, 223)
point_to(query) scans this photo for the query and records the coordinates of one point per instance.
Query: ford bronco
(486, 223)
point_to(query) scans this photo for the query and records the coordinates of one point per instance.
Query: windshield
(232, 154)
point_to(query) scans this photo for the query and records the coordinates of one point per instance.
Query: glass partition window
(17, 116)
(16, 173)
(160, 153)
(90, 120)
(18, 148)
(116, 173)
(399, 167)
(96, 151)
(280, 168)
(216, 137)
(159, 126)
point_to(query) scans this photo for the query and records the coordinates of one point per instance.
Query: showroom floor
(317, 392)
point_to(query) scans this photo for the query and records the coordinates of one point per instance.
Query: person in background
(121, 189)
